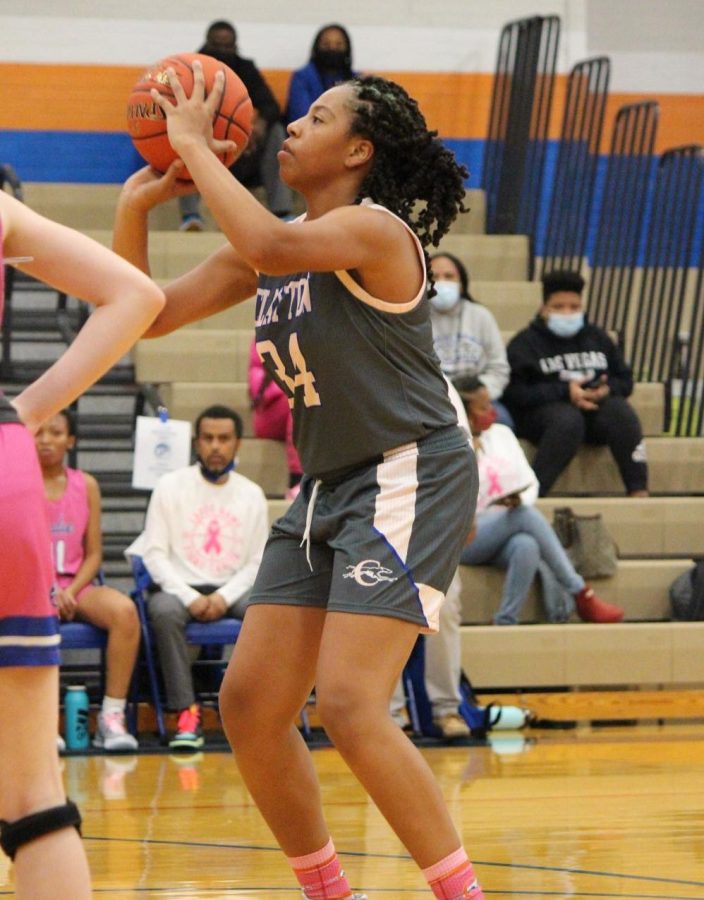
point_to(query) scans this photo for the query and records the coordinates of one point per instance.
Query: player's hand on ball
(147, 188)
(190, 119)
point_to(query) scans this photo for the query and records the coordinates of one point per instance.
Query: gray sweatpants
(169, 618)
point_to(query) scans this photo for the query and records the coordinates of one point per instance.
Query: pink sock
(320, 874)
(453, 878)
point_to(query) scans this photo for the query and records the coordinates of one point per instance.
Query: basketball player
(38, 826)
(362, 559)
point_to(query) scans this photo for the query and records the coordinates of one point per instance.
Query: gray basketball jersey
(360, 373)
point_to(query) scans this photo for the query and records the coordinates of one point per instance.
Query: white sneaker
(111, 733)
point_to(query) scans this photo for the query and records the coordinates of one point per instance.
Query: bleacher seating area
(657, 536)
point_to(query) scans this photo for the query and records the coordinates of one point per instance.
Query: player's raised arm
(126, 302)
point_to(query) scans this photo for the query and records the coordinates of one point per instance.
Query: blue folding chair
(207, 635)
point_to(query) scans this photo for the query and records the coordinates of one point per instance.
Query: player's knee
(341, 710)
(15, 835)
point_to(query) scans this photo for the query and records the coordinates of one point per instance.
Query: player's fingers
(162, 102)
(198, 92)
(214, 97)
(223, 146)
(176, 86)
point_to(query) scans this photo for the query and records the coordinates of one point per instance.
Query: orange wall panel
(94, 99)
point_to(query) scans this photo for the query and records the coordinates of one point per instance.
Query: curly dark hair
(410, 163)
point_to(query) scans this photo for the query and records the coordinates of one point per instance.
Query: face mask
(565, 324)
(214, 475)
(447, 293)
(332, 60)
(484, 421)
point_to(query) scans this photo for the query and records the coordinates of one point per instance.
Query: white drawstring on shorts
(309, 520)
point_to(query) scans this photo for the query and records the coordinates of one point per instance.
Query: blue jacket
(306, 85)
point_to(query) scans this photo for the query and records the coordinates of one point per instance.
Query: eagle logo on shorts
(369, 572)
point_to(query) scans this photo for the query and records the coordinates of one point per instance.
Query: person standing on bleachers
(73, 507)
(569, 384)
(466, 336)
(257, 165)
(202, 544)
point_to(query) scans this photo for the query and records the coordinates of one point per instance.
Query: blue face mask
(214, 475)
(565, 324)
(447, 294)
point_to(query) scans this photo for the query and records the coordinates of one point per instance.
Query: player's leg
(53, 866)
(267, 683)
(115, 613)
(354, 688)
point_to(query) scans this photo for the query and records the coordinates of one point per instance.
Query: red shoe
(591, 608)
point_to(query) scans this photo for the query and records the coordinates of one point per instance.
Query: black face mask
(331, 60)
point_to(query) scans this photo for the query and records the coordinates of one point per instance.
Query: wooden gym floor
(589, 812)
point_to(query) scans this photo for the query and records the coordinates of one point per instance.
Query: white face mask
(565, 324)
(447, 294)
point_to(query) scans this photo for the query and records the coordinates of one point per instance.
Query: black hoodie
(542, 364)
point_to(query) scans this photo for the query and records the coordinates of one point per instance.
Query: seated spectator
(465, 334)
(272, 416)
(569, 384)
(509, 531)
(330, 63)
(73, 506)
(258, 164)
(205, 532)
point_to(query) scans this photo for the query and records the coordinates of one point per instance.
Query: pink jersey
(29, 626)
(68, 522)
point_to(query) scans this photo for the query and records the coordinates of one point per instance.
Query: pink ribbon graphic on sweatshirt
(212, 545)
(494, 482)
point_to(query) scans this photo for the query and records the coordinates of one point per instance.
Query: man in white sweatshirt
(205, 532)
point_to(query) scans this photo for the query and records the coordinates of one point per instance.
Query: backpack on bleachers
(687, 594)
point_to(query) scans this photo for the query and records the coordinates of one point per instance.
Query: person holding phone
(569, 386)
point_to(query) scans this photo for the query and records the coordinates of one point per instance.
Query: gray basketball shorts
(385, 540)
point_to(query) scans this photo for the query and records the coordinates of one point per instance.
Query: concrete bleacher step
(488, 257)
(642, 526)
(675, 466)
(473, 221)
(640, 586)
(264, 461)
(512, 303)
(627, 654)
(92, 206)
(194, 355)
(186, 400)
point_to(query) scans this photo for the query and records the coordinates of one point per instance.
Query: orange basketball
(146, 121)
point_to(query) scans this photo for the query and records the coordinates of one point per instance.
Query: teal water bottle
(76, 717)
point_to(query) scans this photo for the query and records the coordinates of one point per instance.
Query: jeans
(517, 540)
